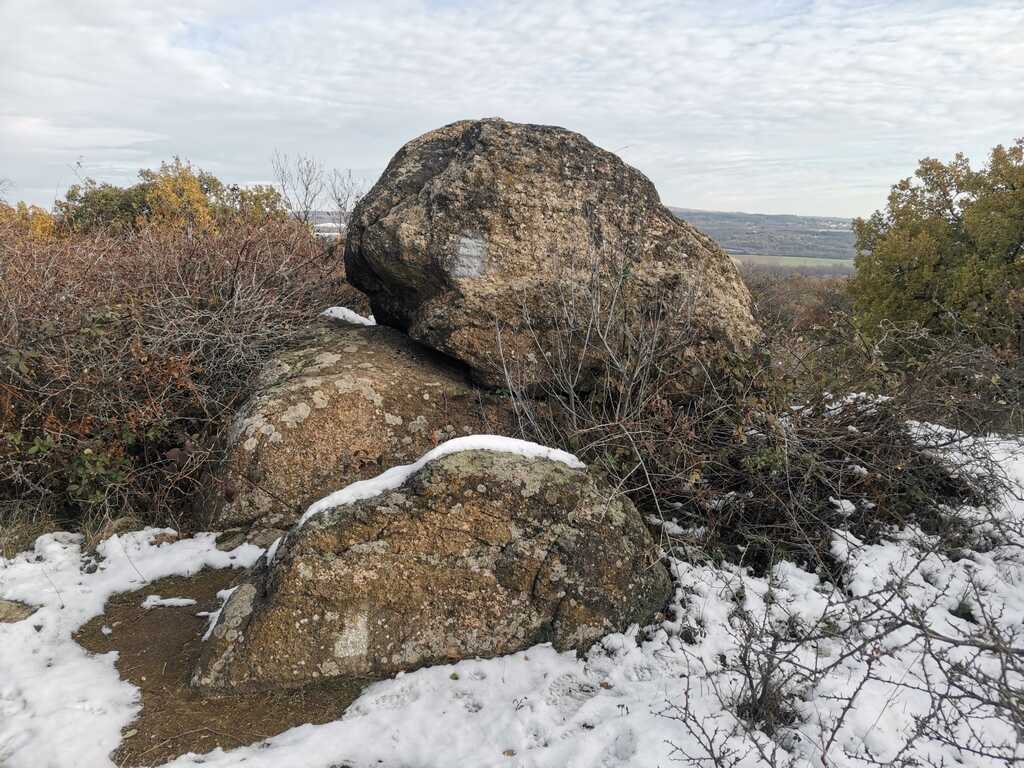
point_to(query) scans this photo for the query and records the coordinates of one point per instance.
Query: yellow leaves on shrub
(176, 197)
(179, 197)
(30, 219)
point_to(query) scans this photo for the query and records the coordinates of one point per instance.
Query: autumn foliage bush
(125, 349)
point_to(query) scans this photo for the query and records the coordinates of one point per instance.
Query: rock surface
(346, 405)
(479, 553)
(473, 223)
(13, 610)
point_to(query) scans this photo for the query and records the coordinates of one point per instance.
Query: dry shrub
(757, 462)
(954, 379)
(789, 303)
(817, 344)
(122, 356)
(892, 644)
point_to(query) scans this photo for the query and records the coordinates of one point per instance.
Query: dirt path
(157, 649)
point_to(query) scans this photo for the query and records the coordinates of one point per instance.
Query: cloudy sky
(783, 106)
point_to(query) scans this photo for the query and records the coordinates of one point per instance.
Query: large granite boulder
(473, 553)
(348, 403)
(475, 226)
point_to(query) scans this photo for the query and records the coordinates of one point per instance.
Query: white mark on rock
(354, 639)
(470, 256)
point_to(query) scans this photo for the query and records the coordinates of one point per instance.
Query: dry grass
(20, 525)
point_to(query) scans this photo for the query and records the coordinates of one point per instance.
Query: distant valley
(782, 240)
(817, 243)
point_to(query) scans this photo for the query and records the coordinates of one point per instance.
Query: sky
(784, 106)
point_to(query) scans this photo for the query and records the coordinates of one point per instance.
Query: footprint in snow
(621, 749)
(468, 701)
(568, 693)
(394, 700)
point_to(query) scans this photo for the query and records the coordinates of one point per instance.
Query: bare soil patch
(157, 650)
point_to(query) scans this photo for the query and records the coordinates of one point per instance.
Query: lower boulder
(344, 405)
(467, 553)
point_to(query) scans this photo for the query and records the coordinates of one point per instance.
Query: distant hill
(749, 234)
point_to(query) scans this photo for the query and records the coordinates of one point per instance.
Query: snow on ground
(346, 314)
(60, 706)
(618, 706)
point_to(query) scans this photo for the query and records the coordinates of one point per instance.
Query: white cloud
(790, 106)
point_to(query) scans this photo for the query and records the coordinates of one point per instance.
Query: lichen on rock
(344, 405)
(474, 228)
(478, 553)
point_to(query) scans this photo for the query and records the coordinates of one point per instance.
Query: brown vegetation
(123, 351)
(754, 462)
(753, 456)
(819, 344)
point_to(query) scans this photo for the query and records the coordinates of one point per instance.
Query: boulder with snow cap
(481, 225)
(344, 405)
(467, 553)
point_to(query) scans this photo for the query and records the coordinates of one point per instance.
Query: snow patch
(348, 316)
(214, 616)
(48, 683)
(535, 709)
(394, 477)
(272, 550)
(155, 601)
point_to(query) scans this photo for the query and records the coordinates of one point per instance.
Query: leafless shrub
(881, 645)
(730, 446)
(788, 304)
(973, 676)
(754, 464)
(344, 192)
(816, 344)
(302, 182)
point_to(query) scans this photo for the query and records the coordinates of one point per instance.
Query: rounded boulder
(474, 229)
(478, 553)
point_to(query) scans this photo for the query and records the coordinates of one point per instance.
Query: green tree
(174, 195)
(93, 205)
(948, 249)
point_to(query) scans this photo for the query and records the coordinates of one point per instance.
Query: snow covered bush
(910, 658)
